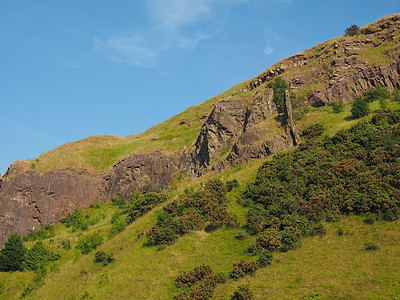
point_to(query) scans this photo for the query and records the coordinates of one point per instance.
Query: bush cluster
(243, 292)
(41, 234)
(353, 172)
(15, 257)
(193, 210)
(242, 268)
(199, 283)
(81, 221)
(89, 242)
(104, 258)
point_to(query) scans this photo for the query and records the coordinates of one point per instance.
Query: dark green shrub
(289, 240)
(43, 233)
(12, 254)
(118, 224)
(243, 292)
(340, 231)
(76, 221)
(242, 268)
(352, 30)
(120, 202)
(371, 246)
(38, 256)
(279, 86)
(378, 93)
(265, 259)
(89, 242)
(313, 131)
(318, 229)
(268, 240)
(203, 290)
(230, 185)
(66, 244)
(360, 108)
(396, 95)
(337, 106)
(241, 235)
(190, 278)
(102, 257)
(369, 219)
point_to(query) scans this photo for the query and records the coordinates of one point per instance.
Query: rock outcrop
(29, 201)
(341, 69)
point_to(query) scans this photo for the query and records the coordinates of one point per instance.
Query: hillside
(340, 254)
(338, 69)
(267, 184)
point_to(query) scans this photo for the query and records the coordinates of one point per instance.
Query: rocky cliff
(241, 127)
(342, 68)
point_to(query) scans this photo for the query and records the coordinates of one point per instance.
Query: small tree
(12, 255)
(396, 95)
(360, 108)
(337, 106)
(377, 93)
(352, 30)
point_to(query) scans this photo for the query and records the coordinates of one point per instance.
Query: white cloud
(177, 25)
(268, 50)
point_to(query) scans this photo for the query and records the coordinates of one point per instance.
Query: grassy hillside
(337, 264)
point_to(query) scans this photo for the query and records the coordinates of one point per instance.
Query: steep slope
(238, 126)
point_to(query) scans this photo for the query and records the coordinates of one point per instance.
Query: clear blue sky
(72, 69)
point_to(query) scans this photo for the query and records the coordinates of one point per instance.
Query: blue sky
(72, 69)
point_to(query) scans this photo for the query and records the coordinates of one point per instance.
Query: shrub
(38, 256)
(89, 242)
(241, 235)
(313, 131)
(76, 221)
(192, 277)
(337, 106)
(203, 290)
(268, 240)
(103, 258)
(289, 240)
(371, 246)
(242, 268)
(396, 95)
(12, 254)
(279, 86)
(230, 185)
(43, 233)
(118, 224)
(378, 93)
(265, 259)
(360, 108)
(340, 231)
(352, 30)
(66, 244)
(318, 229)
(243, 292)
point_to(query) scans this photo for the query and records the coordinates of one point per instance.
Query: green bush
(360, 108)
(265, 259)
(243, 292)
(102, 257)
(352, 30)
(279, 86)
(378, 93)
(396, 95)
(12, 254)
(337, 106)
(313, 131)
(242, 268)
(230, 185)
(43, 233)
(371, 246)
(190, 278)
(89, 242)
(38, 256)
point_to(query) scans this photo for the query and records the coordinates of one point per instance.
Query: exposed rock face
(342, 69)
(222, 127)
(29, 201)
(145, 172)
